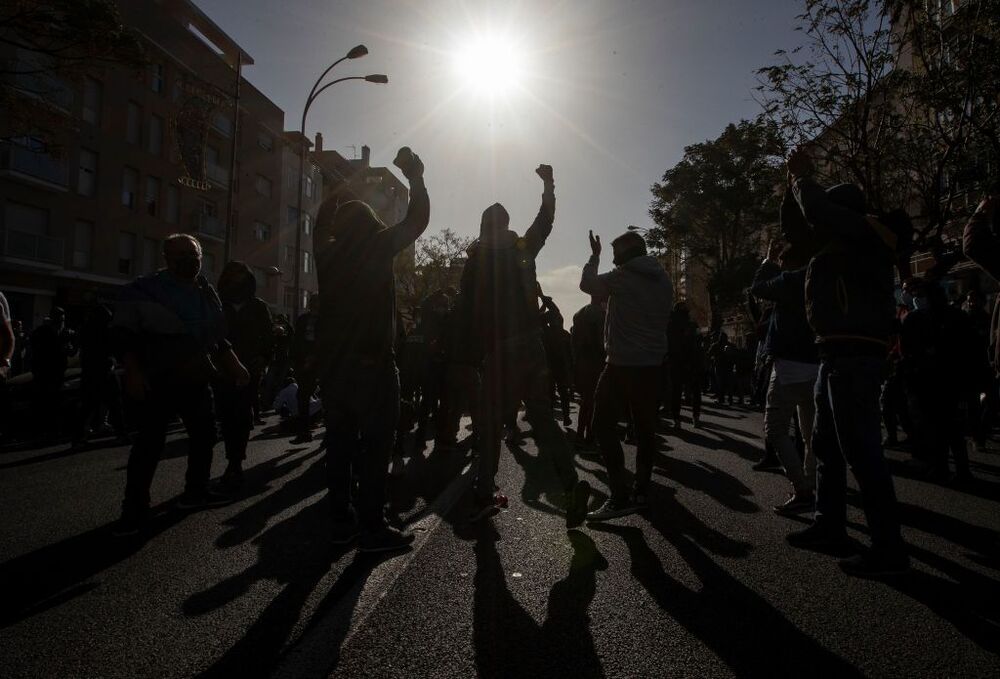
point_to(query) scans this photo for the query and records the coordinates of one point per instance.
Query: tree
(718, 204)
(55, 42)
(438, 264)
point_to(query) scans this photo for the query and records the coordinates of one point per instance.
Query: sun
(489, 65)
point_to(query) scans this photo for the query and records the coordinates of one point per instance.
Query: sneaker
(576, 506)
(204, 498)
(817, 536)
(875, 564)
(796, 503)
(612, 509)
(489, 507)
(231, 479)
(388, 539)
(127, 526)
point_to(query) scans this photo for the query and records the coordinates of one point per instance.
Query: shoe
(388, 539)
(875, 564)
(576, 507)
(344, 532)
(612, 509)
(232, 479)
(819, 537)
(796, 503)
(640, 500)
(484, 508)
(127, 526)
(697, 423)
(397, 466)
(204, 498)
(767, 464)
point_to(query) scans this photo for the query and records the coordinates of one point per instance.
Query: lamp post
(355, 53)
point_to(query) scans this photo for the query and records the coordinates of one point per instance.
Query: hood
(237, 284)
(645, 265)
(494, 222)
(352, 224)
(498, 240)
(849, 196)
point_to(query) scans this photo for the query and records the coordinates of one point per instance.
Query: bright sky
(606, 91)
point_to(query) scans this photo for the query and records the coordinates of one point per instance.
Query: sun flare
(490, 65)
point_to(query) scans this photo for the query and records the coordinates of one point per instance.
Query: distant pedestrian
(589, 357)
(99, 387)
(52, 343)
(305, 348)
(640, 298)
(685, 362)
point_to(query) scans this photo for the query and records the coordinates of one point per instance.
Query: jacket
(640, 298)
(982, 245)
(789, 335)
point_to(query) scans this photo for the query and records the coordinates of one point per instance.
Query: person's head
(237, 283)
(494, 222)
(723, 338)
(351, 226)
(849, 196)
(627, 247)
(182, 253)
(681, 311)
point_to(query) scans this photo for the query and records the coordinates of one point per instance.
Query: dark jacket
(850, 286)
(248, 320)
(588, 336)
(685, 352)
(357, 292)
(789, 335)
(982, 245)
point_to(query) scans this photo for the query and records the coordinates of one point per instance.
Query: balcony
(33, 248)
(217, 174)
(208, 226)
(33, 164)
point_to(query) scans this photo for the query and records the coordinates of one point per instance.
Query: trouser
(430, 395)
(895, 412)
(987, 411)
(515, 372)
(97, 389)
(684, 380)
(361, 410)
(194, 405)
(620, 390)
(234, 407)
(559, 386)
(725, 384)
(586, 384)
(306, 380)
(942, 418)
(460, 394)
(783, 401)
(847, 431)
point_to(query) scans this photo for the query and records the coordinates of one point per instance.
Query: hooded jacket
(640, 299)
(248, 320)
(789, 335)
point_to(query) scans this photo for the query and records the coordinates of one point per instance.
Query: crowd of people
(837, 357)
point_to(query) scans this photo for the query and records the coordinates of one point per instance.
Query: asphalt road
(701, 585)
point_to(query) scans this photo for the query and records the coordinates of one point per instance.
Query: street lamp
(378, 78)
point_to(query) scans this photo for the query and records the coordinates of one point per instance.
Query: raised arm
(540, 229)
(418, 212)
(823, 215)
(591, 282)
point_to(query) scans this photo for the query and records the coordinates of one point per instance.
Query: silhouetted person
(250, 333)
(589, 357)
(98, 382)
(52, 343)
(850, 304)
(558, 352)
(8, 345)
(685, 362)
(985, 379)
(360, 384)
(640, 298)
(895, 408)
(305, 348)
(461, 386)
(431, 330)
(723, 358)
(171, 333)
(499, 285)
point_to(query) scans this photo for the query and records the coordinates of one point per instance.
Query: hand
(409, 163)
(595, 244)
(135, 384)
(545, 172)
(799, 163)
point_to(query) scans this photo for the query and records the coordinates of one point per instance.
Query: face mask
(187, 268)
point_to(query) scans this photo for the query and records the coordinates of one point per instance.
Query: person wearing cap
(850, 305)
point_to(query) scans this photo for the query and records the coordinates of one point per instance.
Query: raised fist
(410, 163)
(545, 172)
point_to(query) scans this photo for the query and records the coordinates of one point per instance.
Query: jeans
(783, 400)
(848, 431)
(622, 390)
(194, 405)
(234, 406)
(515, 372)
(361, 410)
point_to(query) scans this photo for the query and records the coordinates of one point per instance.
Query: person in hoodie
(499, 287)
(850, 305)
(355, 360)
(251, 333)
(640, 299)
(685, 361)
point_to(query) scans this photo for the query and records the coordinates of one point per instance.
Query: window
(150, 255)
(263, 185)
(212, 155)
(86, 184)
(92, 101)
(265, 140)
(222, 123)
(289, 256)
(288, 297)
(303, 299)
(307, 224)
(208, 264)
(261, 231)
(309, 187)
(306, 262)
(156, 80)
(293, 215)
(173, 214)
(130, 186)
(152, 195)
(132, 124)
(83, 243)
(126, 253)
(155, 135)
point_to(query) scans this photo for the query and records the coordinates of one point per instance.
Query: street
(702, 585)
